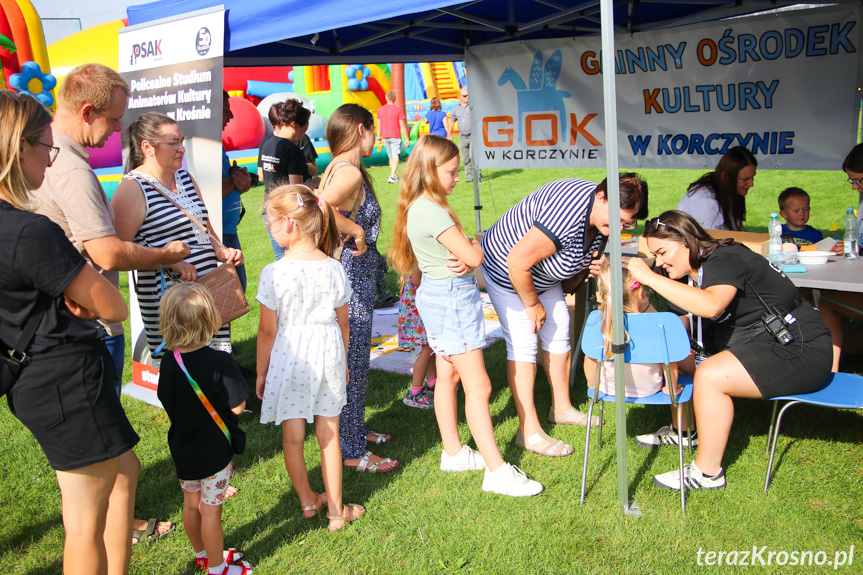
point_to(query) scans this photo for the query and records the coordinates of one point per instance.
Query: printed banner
(783, 85)
(175, 67)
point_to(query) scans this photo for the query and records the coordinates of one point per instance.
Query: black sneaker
(666, 436)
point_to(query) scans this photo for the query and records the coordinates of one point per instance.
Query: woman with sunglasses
(64, 394)
(144, 204)
(835, 304)
(726, 290)
(546, 239)
(717, 200)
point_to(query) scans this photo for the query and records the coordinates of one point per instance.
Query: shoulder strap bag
(10, 365)
(223, 282)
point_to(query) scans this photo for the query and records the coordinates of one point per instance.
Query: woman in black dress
(725, 280)
(65, 392)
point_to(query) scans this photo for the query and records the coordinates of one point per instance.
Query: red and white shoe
(230, 555)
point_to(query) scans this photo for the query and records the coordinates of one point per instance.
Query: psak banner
(174, 66)
(783, 85)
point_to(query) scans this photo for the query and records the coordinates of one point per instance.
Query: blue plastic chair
(841, 391)
(653, 338)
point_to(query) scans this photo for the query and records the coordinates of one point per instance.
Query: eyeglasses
(53, 151)
(175, 144)
(269, 222)
(855, 183)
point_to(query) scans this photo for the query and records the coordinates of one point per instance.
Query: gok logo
(148, 49)
(203, 41)
(541, 106)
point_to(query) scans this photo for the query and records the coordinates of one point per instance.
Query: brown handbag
(223, 282)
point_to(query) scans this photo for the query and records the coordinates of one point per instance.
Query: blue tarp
(282, 32)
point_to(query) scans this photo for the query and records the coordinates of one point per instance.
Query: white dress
(306, 376)
(701, 204)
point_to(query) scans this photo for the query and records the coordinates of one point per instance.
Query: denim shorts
(451, 310)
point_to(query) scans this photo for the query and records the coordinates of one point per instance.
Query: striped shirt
(164, 223)
(560, 210)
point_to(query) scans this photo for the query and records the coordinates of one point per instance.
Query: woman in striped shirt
(146, 214)
(546, 239)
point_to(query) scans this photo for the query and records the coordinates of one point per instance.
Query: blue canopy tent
(300, 32)
(287, 32)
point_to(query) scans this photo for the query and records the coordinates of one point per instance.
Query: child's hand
(260, 384)
(186, 271)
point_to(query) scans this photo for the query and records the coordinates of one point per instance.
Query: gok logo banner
(783, 86)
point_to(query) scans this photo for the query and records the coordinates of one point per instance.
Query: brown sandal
(547, 446)
(350, 513)
(311, 511)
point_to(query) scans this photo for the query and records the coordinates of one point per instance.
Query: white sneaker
(510, 480)
(666, 436)
(465, 460)
(693, 478)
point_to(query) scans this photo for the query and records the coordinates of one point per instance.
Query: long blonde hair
(312, 215)
(420, 176)
(631, 304)
(22, 116)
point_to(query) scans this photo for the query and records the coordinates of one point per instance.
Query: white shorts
(521, 344)
(393, 147)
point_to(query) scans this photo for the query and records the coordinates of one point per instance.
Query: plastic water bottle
(850, 243)
(774, 228)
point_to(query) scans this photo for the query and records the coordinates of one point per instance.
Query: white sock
(201, 555)
(217, 570)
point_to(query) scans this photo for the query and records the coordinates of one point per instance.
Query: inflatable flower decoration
(33, 81)
(357, 75)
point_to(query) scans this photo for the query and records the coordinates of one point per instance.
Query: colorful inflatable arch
(23, 54)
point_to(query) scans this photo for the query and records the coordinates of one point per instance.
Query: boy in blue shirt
(794, 209)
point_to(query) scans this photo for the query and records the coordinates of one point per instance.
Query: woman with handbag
(64, 392)
(158, 202)
(346, 186)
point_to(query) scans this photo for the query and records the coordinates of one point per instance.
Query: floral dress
(412, 332)
(361, 272)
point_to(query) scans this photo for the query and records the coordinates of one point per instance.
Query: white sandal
(373, 468)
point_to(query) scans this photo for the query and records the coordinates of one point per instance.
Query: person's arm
(238, 178)
(342, 319)
(468, 251)
(266, 338)
(451, 125)
(223, 253)
(708, 302)
(112, 253)
(343, 184)
(532, 248)
(590, 367)
(94, 293)
(404, 127)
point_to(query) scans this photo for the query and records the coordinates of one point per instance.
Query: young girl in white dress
(302, 340)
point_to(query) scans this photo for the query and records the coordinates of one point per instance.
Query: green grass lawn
(421, 520)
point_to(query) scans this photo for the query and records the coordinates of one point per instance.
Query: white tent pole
(611, 157)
